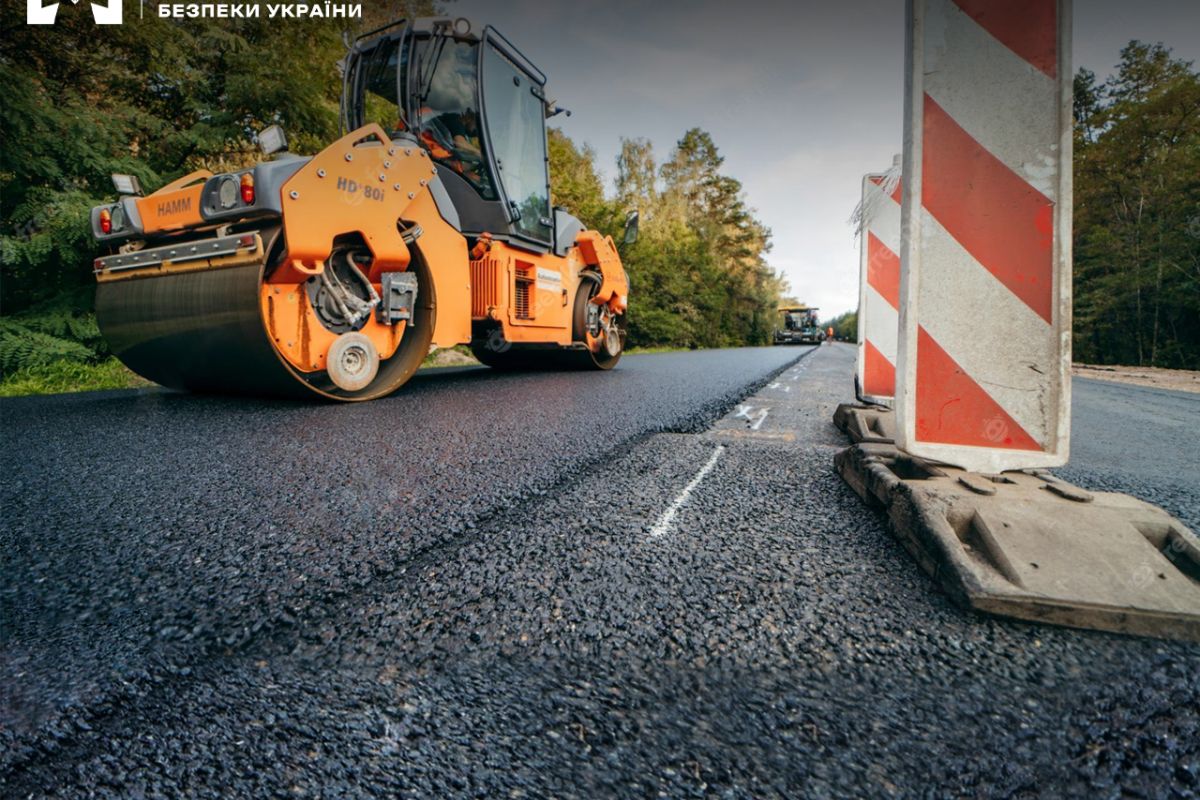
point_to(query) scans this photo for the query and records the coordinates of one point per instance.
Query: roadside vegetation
(70, 376)
(699, 273)
(55, 346)
(1137, 212)
(845, 326)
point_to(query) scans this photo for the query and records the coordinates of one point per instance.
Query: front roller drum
(204, 331)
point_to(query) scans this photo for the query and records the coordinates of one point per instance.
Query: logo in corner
(38, 14)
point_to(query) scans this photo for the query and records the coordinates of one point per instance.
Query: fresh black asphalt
(143, 531)
(463, 591)
(1138, 440)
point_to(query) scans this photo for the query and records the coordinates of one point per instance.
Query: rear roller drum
(498, 353)
(514, 360)
(598, 327)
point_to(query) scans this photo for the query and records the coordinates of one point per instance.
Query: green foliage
(845, 326)
(1137, 212)
(24, 347)
(69, 376)
(576, 184)
(51, 332)
(55, 231)
(698, 272)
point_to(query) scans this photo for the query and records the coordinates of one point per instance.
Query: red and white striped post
(984, 351)
(879, 285)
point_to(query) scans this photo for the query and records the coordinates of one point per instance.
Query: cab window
(516, 120)
(377, 72)
(448, 111)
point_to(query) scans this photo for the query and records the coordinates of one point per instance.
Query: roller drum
(203, 331)
(199, 331)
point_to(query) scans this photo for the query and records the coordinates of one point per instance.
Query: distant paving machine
(798, 325)
(429, 225)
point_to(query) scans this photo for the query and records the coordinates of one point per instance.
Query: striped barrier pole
(879, 285)
(984, 350)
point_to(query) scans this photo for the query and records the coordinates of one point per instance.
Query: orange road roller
(427, 225)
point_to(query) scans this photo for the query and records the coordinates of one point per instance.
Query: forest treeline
(1137, 212)
(698, 270)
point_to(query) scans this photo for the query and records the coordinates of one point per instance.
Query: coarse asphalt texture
(467, 590)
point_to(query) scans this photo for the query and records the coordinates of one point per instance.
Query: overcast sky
(802, 98)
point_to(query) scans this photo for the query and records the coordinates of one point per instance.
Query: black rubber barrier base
(1027, 545)
(865, 423)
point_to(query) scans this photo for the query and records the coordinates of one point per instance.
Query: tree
(636, 174)
(698, 274)
(845, 326)
(1137, 212)
(575, 183)
(712, 205)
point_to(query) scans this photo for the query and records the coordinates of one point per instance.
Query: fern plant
(29, 341)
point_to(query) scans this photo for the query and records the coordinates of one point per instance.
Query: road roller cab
(428, 224)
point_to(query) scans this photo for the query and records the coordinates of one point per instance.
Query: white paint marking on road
(668, 517)
(774, 385)
(787, 388)
(762, 416)
(743, 412)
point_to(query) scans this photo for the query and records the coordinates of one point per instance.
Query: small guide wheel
(612, 333)
(352, 361)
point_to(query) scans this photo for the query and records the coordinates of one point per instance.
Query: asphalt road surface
(572, 585)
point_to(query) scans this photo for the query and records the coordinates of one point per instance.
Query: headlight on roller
(127, 184)
(227, 194)
(118, 218)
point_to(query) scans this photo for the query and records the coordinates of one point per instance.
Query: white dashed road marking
(668, 517)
